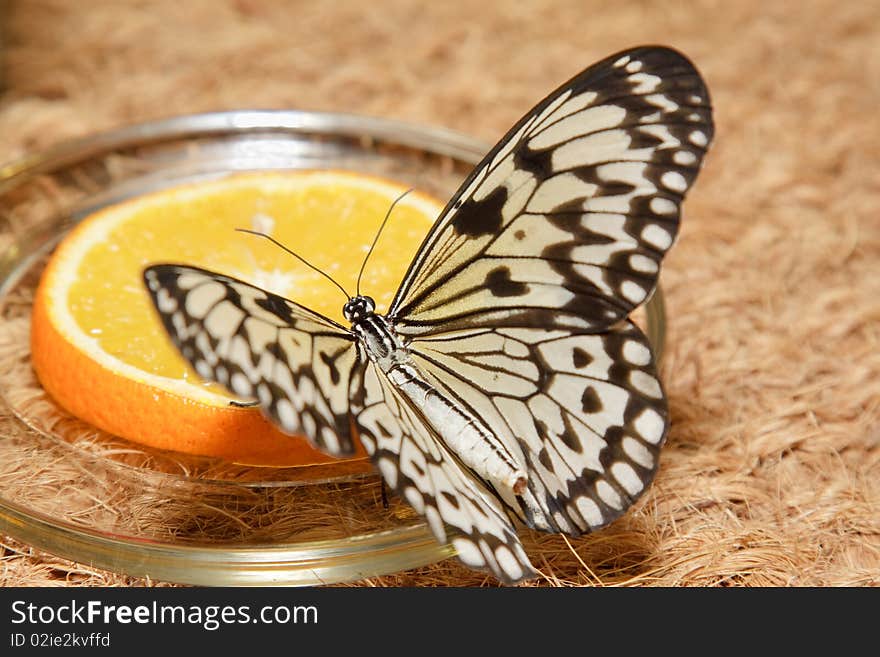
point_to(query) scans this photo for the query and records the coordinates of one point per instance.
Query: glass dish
(76, 492)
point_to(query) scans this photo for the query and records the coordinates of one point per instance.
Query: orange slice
(98, 347)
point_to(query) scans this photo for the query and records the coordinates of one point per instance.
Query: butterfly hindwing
(295, 362)
(564, 223)
(419, 468)
(585, 411)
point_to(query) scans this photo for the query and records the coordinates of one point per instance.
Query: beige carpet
(771, 475)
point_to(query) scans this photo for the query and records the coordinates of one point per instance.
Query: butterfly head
(358, 308)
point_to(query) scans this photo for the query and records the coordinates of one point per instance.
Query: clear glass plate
(72, 490)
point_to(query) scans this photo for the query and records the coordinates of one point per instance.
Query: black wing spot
(275, 305)
(417, 467)
(570, 439)
(580, 358)
(383, 430)
(544, 458)
(330, 362)
(537, 162)
(479, 218)
(452, 499)
(590, 401)
(501, 285)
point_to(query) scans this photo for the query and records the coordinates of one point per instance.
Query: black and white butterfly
(505, 380)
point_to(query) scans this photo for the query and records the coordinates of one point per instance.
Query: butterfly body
(505, 381)
(461, 431)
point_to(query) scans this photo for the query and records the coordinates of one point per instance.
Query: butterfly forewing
(295, 362)
(565, 221)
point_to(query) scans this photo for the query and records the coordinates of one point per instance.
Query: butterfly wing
(259, 345)
(564, 223)
(584, 412)
(421, 470)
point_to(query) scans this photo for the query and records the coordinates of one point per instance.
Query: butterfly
(505, 381)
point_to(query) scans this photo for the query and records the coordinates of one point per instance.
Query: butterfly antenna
(376, 239)
(295, 255)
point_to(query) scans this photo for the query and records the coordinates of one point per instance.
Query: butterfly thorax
(375, 333)
(460, 429)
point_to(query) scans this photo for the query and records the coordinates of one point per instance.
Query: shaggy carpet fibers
(771, 474)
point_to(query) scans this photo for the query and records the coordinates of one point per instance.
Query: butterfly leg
(384, 491)
(244, 404)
